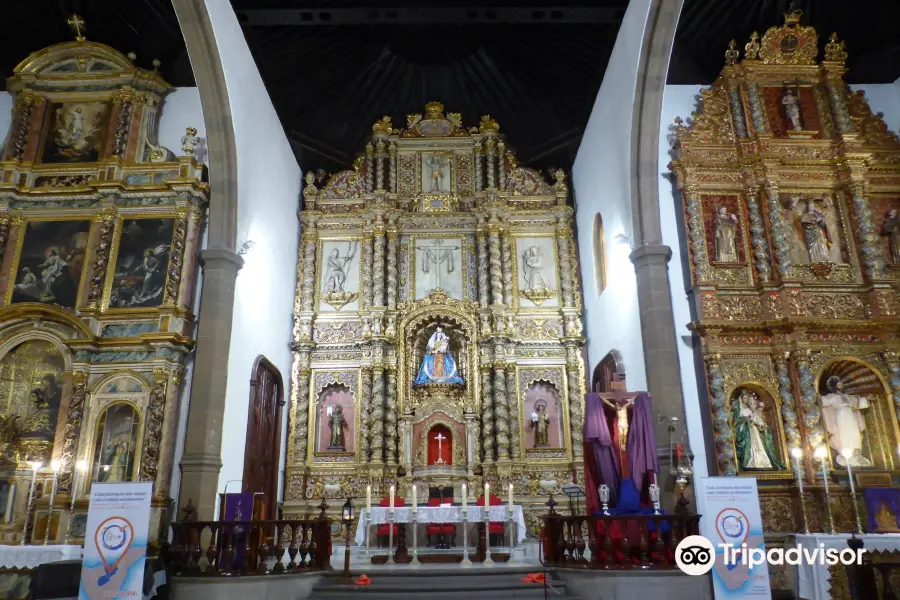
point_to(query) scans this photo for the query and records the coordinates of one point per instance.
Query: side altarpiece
(99, 231)
(437, 332)
(791, 190)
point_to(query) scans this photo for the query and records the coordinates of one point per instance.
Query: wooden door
(263, 448)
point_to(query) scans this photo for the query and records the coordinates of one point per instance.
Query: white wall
(6, 102)
(600, 179)
(268, 190)
(181, 109)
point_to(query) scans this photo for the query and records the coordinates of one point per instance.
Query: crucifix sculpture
(78, 26)
(440, 440)
(619, 401)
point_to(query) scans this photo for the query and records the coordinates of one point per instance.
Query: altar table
(813, 581)
(29, 557)
(439, 514)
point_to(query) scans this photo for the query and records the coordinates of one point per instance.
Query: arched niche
(853, 395)
(334, 397)
(608, 370)
(542, 393)
(116, 443)
(759, 440)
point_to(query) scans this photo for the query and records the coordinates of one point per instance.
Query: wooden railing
(210, 548)
(614, 541)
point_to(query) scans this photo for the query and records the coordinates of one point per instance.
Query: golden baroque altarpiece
(99, 231)
(435, 238)
(791, 187)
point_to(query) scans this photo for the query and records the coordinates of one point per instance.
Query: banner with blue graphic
(732, 522)
(115, 541)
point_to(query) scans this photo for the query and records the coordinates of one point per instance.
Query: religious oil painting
(437, 172)
(115, 444)
(886, 213)
(142, 261)
(339, 278)
(51, 262)
(791, 111)
(31, 383)
(541, 416)
(815, 235)
(439, 265)
(757, 436)
(336, 420)
(536, 266)
(75, 132)
(724, 231)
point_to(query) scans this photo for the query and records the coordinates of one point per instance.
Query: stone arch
(611, 365)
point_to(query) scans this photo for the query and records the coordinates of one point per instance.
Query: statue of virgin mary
(438, 365)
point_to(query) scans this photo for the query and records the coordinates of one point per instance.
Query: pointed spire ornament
(732, 55)
(78, 26)
(751, 50)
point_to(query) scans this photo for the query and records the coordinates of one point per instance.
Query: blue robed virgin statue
(438, 365)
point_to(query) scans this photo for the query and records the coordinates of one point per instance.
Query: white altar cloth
(439, 514)
(813, 581)
(29, 557)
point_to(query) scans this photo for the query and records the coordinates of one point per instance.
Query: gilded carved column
(308, 239)
(489, 146)
(125, 99)
(786, 395)
(574, 378)
(72, 431)
(391, 434)
(379, 165)
(893, 363)
(699, 252)
(487, 414)
(370, 168)
(378, 268)
(153, 419)
(166, 459)
(737, 109)
(365, 434)
(479, 167)
(812, 414)
(512, 401)
(484, 298)
(366, 270)
(778, 228)
(506, 262)
(501, 172)
(869, 241)
(758, 235)
(377, 421)
(25, 103)
(724, 436)
(4, 233)
(300, 377)
(392, 168)
(106, 224)
(495, 263)
(563, 241)
(756, 110)
(502, 412)
(176, 256)
(392, 281)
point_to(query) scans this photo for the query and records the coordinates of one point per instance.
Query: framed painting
(75, 132)
(50, 261)
(138, 278)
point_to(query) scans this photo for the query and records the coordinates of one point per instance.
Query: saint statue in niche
(845, 422)
(118, 451)
(726, 236)
(890, 228)
(814, 225)
(438, 365)
(791, 105)
(336, 276)
(752, 436)
(336, 423)
(540, 422)
(438, 177)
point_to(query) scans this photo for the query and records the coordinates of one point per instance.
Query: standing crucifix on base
(440, 439)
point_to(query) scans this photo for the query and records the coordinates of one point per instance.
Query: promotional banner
(732, 523)
(115, 541)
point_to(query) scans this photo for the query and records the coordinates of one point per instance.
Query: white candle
(510, 496)
(392, 497)
(369, 498)
(797, 453)
(847, 454)
(414, 497)
(487, 494)
(465, 496)
(35, 467)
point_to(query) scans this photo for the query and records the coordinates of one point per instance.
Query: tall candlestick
(510, 496)
(487, 494)
(55, 467)
(465, 497)
(848, 453)
(392, 499)
(414, 497)
(822, 454)
(35, 466)
(369, 498)
(797, 453)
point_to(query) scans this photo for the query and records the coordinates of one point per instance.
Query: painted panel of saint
(438, 365)
(142, 261)
(75, 132)
(115, 444)
(51, 262)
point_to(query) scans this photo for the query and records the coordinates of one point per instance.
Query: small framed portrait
(75, 132)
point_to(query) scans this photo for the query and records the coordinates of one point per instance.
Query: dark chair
(383, 531)
(495, 528)
(440, 530)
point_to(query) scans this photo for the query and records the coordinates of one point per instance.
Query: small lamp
(347, 518)
(604, 498)
(347, 512)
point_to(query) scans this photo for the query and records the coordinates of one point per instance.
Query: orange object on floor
(362, 580)
(534, 578)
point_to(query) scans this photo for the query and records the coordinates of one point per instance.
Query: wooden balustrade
(210, 548)
(614, 541)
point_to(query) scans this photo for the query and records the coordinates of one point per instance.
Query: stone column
(392, 280)
(812, 414)
(377, 415)
(724, 436)
(758, 235)
(488, 439)
(786, 396)
(479, 168)
(484, 298)
(512, 401)
(72, 431)
(778, 229)
(574, 383)
(391, 434)
(507, 258)
(365, 267)
(300, 382)
(378, 268)
(869, 241)
(202, 461)
(495, 263)
(365, 434)
(563, 241)
(502, 412)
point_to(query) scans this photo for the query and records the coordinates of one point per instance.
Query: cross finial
(78, 26)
